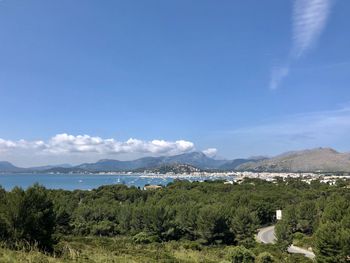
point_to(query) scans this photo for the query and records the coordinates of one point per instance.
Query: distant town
(236, 177)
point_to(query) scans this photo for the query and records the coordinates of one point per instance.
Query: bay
(87, 181)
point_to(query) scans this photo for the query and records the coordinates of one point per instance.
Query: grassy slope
(115, 250)
(103, 250)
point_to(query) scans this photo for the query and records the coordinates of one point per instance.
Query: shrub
(240, 254)
(193, 245)
(144, 238)
(103, 228)
(265, 257)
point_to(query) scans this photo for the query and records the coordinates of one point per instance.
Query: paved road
(298, 250)
(266, 235)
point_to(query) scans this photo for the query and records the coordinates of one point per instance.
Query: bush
(240, 254)
(193, 245)
(3, 227)
(144, 238)
(103, 228)
(265, 257)
(302, 240)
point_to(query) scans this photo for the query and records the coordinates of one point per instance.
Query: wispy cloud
(309, 19)
(324, 128)
(277, 75)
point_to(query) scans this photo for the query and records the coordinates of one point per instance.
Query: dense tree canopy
(209, 213)
(28, 216)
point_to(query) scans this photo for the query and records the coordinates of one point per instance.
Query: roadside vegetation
(183, 222)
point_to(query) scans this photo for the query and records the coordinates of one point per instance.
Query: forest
(182, 222)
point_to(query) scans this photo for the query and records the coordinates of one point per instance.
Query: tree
(212, 225)
(3, 227)
(306, 216)
(332, 243)
(186, 219)
(284, 235)
(3, 220)
(244, 224)
(30, 216)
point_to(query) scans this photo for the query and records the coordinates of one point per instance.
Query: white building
(279, 214)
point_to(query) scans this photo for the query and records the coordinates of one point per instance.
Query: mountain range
(195, 159)
(314, 160)
(7, 167)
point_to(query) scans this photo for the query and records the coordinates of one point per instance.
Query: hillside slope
(314, 160)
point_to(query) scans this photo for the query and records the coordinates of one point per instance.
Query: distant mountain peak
(328, 149)
(107, 160)
(8, 167)
(321, 159)
(7, 164)
(318, 159)
(196, 155)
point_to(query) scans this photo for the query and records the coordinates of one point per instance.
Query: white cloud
(309, 19)
(65, 144)
(273, 136)
(277, 75)
(211, 152)
(325, 128)
(7, 145)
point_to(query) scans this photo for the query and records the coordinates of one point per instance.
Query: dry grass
(110, 250)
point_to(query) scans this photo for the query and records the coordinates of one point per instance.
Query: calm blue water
(80, 181)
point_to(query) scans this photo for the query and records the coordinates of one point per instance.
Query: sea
(92, 181)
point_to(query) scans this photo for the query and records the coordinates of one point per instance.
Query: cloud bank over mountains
(210, 152)
(68, 145)
(65, 144)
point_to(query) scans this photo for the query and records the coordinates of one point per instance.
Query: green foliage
(211, 212)
(302, 240)
(306, 214)
(240, 254)
(144, 238)
(30, 218)
(284, 235)
(265, 257)
(212, 225)
(103, 228)
(332, 243)
(193, 245)
(244, 224)
(4, 227)
(194, 217)
(302, 218)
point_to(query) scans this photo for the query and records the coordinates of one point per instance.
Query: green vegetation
(321, 222)
(240, 254)
(183, 222)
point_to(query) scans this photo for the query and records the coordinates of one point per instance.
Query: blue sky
(243, 77)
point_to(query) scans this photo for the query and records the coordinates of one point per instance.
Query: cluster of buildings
(236, 176)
